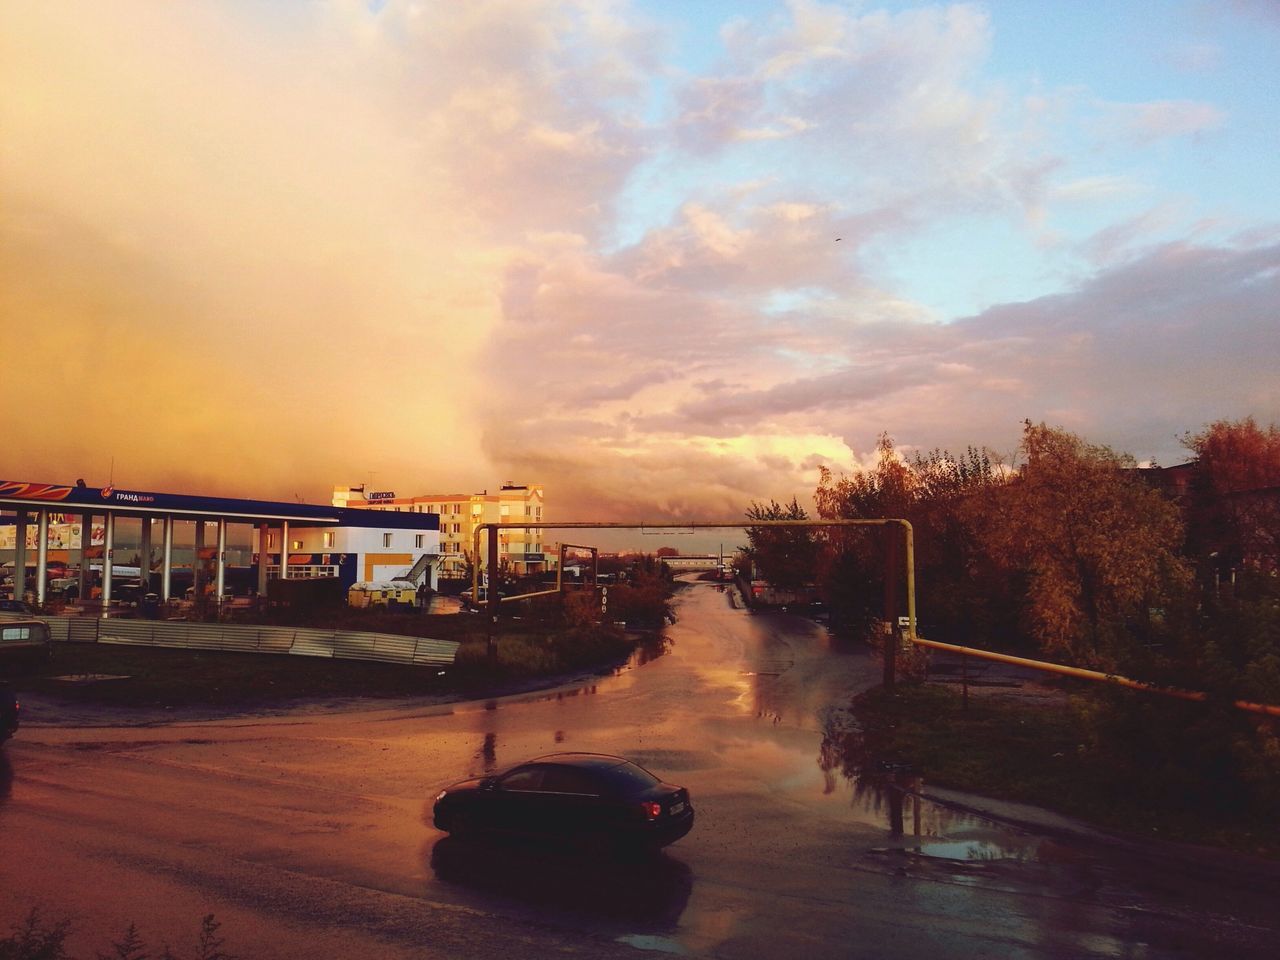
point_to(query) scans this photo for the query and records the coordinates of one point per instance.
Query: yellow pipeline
(1263, 708)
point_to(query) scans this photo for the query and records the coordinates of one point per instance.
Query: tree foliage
(936, 493)
(782, 555)
(1098, 546)
(1235, 499)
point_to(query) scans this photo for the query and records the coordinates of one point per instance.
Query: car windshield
(630, 778)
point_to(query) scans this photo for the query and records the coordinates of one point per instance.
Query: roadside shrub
(523, 655)
(35, 939)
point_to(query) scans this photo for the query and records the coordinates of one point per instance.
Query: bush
(34, 939)
(523, 655)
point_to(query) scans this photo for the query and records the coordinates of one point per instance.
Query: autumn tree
(1234, 513)
(853, 563)
(784, 556)
(942, 496)
(1098, 546)
(971, 597)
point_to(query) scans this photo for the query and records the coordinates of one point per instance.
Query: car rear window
(629, 778)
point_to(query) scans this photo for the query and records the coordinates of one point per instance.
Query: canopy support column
(20, 555)
(263, 540)
(166, 564)
(284, 550)
(221, 575)
(108, 558)
(42, 555)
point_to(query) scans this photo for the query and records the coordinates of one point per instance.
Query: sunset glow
(662, 258)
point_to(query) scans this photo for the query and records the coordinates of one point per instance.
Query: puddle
(647, 942)
(91, 677)
(647, 651)
(964, 850)
(886, 792)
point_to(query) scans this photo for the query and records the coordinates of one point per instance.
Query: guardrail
(241, 638)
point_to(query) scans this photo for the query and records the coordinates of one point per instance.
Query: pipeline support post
(491, 595)
(891, 640)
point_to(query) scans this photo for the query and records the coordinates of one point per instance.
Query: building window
(457, 528)
(295, 545)
(504, 510)
(328, 539)
(271, 541)
(417, 540)
(386, 539)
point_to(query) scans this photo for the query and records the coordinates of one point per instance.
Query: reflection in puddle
(646, 892)
(646, 651)
(643, 941)
(886, 791)
(489, 752)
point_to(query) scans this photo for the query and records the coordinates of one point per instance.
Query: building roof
(77, 498)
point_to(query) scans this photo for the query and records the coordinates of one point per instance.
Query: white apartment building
(461, 513)
(354, 553)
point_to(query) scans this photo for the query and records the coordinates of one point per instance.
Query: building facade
(287, 540)
(460, 513)
(354, 554)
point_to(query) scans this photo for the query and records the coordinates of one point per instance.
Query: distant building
(355, 554)
(1235, 528)
(460, 514)
(1174, 482)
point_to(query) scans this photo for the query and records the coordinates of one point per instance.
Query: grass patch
(1044, 754)
(157, 677)
(154, 677)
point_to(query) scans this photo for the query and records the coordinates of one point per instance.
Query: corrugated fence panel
(125, 631)
(277, 639)
(170, 633)
(438, 652)
(59, 629)
(346, 645)
(81, 631)
(312, 643)
(353, 646)
(382, 647)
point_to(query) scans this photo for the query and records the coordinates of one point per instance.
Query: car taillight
(651, 810)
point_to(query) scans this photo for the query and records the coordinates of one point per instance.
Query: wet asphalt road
(305, 834)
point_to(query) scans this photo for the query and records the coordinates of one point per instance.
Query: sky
(664, 258)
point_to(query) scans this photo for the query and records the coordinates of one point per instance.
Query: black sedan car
(588, 799)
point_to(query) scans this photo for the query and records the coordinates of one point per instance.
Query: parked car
(466, 597)
(24, 643)
(9, 709)
(68, 588)
(595, 801)
(16, 606)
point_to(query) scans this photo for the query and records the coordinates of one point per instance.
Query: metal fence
(239, 638)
